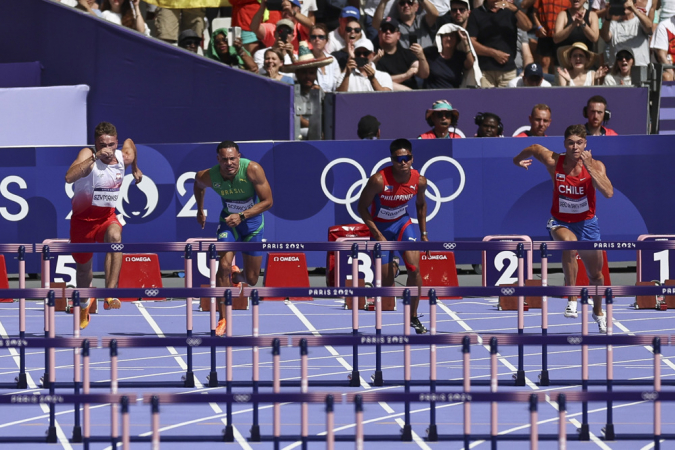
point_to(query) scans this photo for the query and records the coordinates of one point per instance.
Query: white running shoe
(571, 310)
(602, 322)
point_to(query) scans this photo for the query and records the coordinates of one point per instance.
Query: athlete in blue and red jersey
(383, 208)
(576, 176)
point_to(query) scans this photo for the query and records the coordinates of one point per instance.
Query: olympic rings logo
(117, 247)
(449, 245)
(574, 340)
(650, 396)
(508, 291)
(151, 292)
(242, 398)
(354, 191)
(193, 342)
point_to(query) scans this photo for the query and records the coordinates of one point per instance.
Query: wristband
(424, 233)
(540, 27)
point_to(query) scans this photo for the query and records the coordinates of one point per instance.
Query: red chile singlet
(391, 204)
(573, 197)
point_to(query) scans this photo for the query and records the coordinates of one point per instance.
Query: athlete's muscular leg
(569, 260)
(223, 276)
(84, 274)
(412, 263)
(113, 261)
(252, 268)
(388, 270)
(593, 261)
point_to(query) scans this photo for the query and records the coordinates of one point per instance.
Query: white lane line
(61, 436)
(649, 348)
(529, 383)
(241, 440)
(416, 438)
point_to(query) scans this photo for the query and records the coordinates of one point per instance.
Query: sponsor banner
(473, 190)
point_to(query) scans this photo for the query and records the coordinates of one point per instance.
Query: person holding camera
(234, 55)
(416, 20)
(297, 23)
(283, 43)
(403, 64)
(627, 27)
(360, 74)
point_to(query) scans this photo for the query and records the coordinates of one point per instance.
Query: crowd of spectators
(395, 45)
(421, 44)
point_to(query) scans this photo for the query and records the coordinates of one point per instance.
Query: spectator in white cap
(337, 39)
(533, 76)
(441, 116)
(452, 60)
(360, 74)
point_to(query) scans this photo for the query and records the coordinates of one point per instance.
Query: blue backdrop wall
(149, 89)
(475, 190)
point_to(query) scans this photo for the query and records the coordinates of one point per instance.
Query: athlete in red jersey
(576, 176)
(383, 208)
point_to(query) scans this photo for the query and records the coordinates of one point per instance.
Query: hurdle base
(77, 435)
(45, 381)
(377, 378)
(584, 432)
(213, 379)
(228, 434)
(406, 433)
(22, 381)
(189, 379)
(519, 378)
(255, 433)
(544, 380)
(355, 379)
(51, 435)
(608, 431)
(432, 433)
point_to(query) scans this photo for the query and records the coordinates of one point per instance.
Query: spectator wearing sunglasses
(441, 117)
(401, 63)
(458, 14)
(411, 20)
(327, 76)
(353, 34)
(360, 74)
(619, 75)
(349, 29)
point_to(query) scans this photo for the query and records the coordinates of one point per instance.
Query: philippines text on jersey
(354, 191)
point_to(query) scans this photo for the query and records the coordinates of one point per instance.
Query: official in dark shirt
(449, 59)
(494, 33)
(401, 63)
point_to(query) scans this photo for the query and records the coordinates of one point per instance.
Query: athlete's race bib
(572, 206)
(235, 207)
(392, 213)
(106, 197)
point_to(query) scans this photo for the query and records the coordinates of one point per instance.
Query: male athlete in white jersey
(97, 175)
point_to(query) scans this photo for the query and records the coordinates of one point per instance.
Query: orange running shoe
(222, 326)
(84, 314)
(112, 303)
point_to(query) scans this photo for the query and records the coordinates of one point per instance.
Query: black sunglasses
(625, 56)
(354, 30)
(362, 54)
(458, 10)
(406, 2)
(318, 36)
(443, 114)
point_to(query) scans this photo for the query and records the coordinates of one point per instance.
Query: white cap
(364, 43)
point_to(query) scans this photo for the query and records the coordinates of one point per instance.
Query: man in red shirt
(383, 207)
(441, 117)
(597, 114)
(540, 120)
(576, 176)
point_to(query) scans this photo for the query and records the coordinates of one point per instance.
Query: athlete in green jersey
(246, 194)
